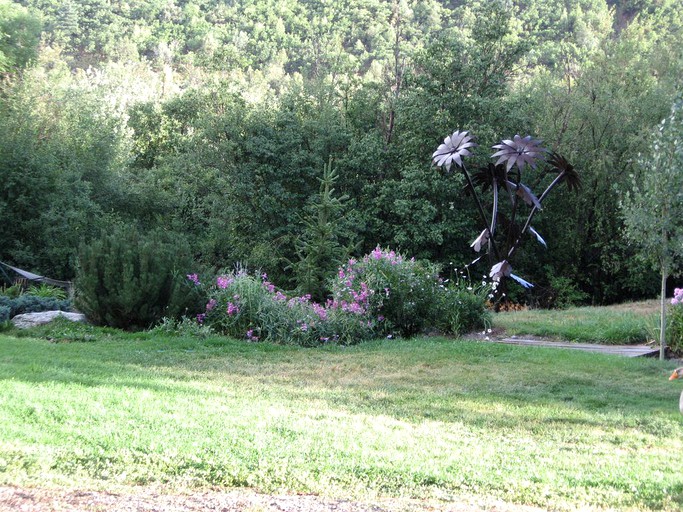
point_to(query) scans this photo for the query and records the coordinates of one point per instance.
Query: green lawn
(422, 418)
(619, 325)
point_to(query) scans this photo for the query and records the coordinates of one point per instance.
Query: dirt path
(18, 499)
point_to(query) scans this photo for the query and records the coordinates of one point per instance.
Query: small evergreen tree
(326, 240)
(131, 281)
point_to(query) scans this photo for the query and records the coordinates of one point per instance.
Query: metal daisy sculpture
(513, 156)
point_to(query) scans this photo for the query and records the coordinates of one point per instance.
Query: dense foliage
(215, 121)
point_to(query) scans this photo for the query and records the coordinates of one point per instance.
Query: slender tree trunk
(662, 318)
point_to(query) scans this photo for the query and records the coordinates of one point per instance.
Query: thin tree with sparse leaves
(653, 208)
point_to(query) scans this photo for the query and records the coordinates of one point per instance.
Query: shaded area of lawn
(421, 417)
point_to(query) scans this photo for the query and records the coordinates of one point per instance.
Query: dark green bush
(32, 304)
(4, 314)
(131, 280)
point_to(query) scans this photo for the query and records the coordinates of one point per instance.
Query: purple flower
(233, 309)
(201, 317)
(194, 278)
(211, 304)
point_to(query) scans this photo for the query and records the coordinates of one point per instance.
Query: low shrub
(407, 296)
(45, 290)
(5, 314)
(131, 280)
(32, 304)
(461, 307)
(12, 291)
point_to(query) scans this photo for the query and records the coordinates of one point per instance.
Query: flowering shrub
(398, 292)
(250, 307)
(675, 322)
(383, 293)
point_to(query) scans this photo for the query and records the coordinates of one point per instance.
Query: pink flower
(223, 282)
(211, 304)
(194, 278)
(320, 311)
(233, 309)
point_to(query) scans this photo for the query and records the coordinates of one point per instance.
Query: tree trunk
(662, 318)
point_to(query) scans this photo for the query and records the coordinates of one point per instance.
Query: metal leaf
(500, 270)
(538, 237)
(525, 284)
(481, 240)
(571, 177)
(525, 193)
(519, 151)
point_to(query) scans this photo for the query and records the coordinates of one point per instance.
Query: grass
(430, 417)
(623, 324)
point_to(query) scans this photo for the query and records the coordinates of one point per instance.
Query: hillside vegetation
(213, 121)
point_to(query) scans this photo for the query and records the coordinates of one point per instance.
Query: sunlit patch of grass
(622, 324)
(418, 418)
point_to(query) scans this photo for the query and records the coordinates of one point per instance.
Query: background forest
(287, 135)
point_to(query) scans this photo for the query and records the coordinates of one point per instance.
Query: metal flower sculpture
(453, 149)
(519, 151)
(513, 157)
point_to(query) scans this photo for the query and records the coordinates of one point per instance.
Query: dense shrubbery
(381, 294)
(130, 280)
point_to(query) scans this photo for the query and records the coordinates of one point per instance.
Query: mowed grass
(623, 324)
(430, 417)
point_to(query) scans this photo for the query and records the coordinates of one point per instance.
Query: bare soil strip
(17, 499)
